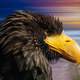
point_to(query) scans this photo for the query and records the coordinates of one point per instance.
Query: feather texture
(22, 54)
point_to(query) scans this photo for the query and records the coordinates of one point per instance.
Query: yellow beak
(65, 46)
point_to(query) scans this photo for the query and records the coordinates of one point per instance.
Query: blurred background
(68, 12)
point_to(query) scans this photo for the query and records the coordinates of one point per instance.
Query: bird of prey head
(28, 41)
(58, 43)
(48, 31)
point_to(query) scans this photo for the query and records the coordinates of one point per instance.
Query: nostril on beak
(67, 41)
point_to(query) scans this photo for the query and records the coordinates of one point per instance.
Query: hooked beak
(65, 46)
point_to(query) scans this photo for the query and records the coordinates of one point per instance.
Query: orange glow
(69, 20)
(78, 22)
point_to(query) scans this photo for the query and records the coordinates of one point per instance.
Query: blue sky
(9, 6)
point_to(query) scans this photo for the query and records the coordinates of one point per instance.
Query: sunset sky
(67, 10)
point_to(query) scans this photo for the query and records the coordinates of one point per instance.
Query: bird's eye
(46, 33)
(67, 41)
